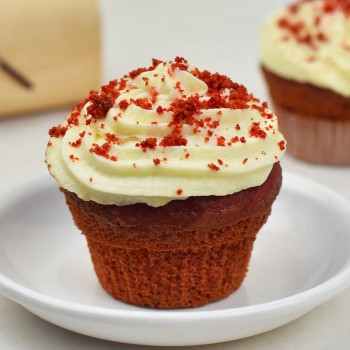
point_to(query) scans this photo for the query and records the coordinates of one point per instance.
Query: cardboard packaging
(49, 54)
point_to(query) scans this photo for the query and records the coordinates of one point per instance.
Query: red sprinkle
(220, 141)
(58, 131)
(77, 143)
(101, 150)
(112, 138)
(281, 145)
(123, 104)
(150, 142)
(73, 158)
(160, 110)
(256, 131)
(142, 103)
(179, 192)
(100, 105)
(212, 166)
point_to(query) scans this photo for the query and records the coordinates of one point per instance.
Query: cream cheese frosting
(165, 133)
(309, 42)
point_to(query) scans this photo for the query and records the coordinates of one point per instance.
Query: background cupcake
(305, 56)
(169, 172)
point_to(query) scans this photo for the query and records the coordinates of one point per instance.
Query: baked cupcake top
(309, 42)
(169, 131)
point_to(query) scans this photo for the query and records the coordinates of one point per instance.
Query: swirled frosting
(309, 42)
(162, 133)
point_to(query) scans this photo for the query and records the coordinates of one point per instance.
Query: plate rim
(27, 296)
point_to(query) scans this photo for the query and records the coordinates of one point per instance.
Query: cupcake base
(176, 278)
(186, 253)
(316, 140)
(314, 121)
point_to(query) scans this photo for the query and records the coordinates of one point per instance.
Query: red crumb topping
(100, 105)
(294, 8)
(135, 73)
(73, 158)
(142, 103)
(90, 179)
(146, 80)
(123, 104)
(298, 29)
(150, 142)
(256, 131)
(101, 150)
(178, 87)
(160, 110)
(112, 138)
(263, 111)
(77, 143)
(337, 5)
(180, 63)
(179, 192)
(58, 131)
(212, 166)
(282, 145)
(174, 139)
(216, 82)
(184, 110)
(220, 141)
(245, 160)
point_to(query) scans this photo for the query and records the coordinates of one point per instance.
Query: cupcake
(169, 172)
(305, 56)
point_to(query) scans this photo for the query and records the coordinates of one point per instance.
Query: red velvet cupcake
(169, 172)
(305, 55)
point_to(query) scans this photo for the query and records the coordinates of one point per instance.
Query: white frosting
(133, 175)
(325, 63)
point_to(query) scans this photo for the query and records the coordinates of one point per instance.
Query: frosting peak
(162, 133)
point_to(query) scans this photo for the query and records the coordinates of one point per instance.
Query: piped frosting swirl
(162, 133)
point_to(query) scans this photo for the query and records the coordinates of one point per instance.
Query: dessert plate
(301, 259)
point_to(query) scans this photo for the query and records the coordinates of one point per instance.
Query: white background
(218, 35)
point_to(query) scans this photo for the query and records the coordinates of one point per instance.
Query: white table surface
(216, 35)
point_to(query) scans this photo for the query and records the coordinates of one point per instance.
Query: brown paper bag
(49, 53)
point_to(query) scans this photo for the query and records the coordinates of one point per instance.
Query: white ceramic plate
(301, 259)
